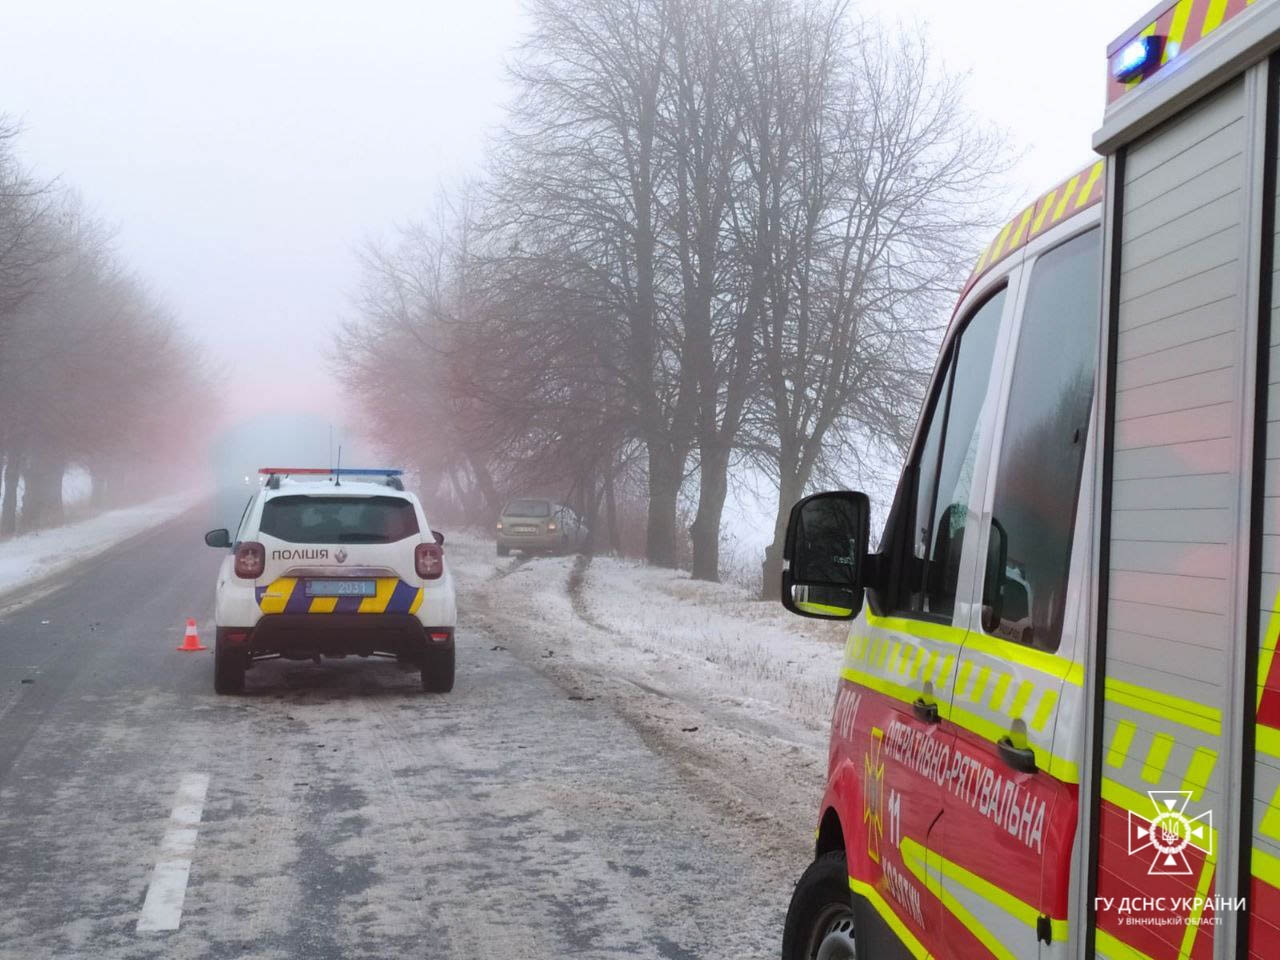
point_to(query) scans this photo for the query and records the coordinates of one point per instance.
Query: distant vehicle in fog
(535, 525)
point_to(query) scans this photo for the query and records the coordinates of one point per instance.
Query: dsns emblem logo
(873, 794)
(1170, 832)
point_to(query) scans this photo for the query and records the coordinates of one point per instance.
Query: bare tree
(884, 181)
(713, 232)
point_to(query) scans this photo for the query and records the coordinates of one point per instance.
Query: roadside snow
(736, 691)
(34, 556)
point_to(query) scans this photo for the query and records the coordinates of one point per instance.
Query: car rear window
(303, 519)
(527, 508)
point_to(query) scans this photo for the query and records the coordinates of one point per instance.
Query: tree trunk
(789, 491)
(9, 508)
(611, 513)
(484, 480)
(665, 474)
(713, 488)
(42, 493)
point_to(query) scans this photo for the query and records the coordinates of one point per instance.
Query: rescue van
(1057, 728)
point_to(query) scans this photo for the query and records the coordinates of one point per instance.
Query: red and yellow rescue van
(1057, 731)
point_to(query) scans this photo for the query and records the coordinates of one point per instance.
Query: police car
(331, 563)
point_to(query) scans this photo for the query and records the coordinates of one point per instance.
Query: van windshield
(303, 519)
(527, 508)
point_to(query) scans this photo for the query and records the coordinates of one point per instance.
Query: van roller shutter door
(1174, 508)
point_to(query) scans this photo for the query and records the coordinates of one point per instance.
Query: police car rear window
(303, 519)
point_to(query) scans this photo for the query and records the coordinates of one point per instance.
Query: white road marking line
(162, 908)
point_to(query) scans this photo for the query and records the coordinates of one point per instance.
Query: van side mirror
(824, 554)
(438, 537)
(220, 538)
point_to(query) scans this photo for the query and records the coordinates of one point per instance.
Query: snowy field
(34, 557)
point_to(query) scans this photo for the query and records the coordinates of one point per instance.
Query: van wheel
(228, 667)
(503, 550)
(437, 669)
(820, 922)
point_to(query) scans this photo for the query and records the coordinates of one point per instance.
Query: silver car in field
(536, 525)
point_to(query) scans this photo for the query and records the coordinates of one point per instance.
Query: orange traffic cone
(191, 642)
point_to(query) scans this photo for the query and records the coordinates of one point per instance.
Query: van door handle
(1020, 758)
(925, 710)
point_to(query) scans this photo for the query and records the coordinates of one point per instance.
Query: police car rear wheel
(437, 670)
(820, 920)
(228, 668)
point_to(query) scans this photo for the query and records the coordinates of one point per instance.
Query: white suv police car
(326, 565)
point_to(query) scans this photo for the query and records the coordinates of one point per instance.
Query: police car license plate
(342, 588)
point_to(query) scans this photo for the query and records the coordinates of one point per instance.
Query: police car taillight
(428, 558)
(251, 560)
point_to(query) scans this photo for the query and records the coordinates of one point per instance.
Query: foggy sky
(245, 148)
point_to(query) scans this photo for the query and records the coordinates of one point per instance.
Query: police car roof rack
(390, 475)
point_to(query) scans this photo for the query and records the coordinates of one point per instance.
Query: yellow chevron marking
(1270, 825)
(1157, 757)
(1266, 867)
(1068, 192)
(1213, 16)
(322, 604)
(1177, 28)
(942, 675)
(378, 602)
(1048, 700)
(1202, 893)
(1121, 740)
(1094, 173)
(982, 260)
(277, 595)
(1001, 650)
(1022, 226)
(1044, 211)
(1021, 698)
(1267, 740)
(997, 695)
(1267, 652)
(1060, 768)
(1199, 770)
(966, 668)
(417, 601)
(1112, 949)
(999, 244)
(979, 684)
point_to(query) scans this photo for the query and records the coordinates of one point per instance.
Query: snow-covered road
(629, 766)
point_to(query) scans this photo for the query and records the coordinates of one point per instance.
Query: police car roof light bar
(333, 471)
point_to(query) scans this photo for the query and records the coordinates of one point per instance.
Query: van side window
(1038, 480)
(946, 465)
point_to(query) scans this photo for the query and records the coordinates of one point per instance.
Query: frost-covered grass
(710, 643)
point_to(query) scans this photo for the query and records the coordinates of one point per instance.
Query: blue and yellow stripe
(289, 595)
